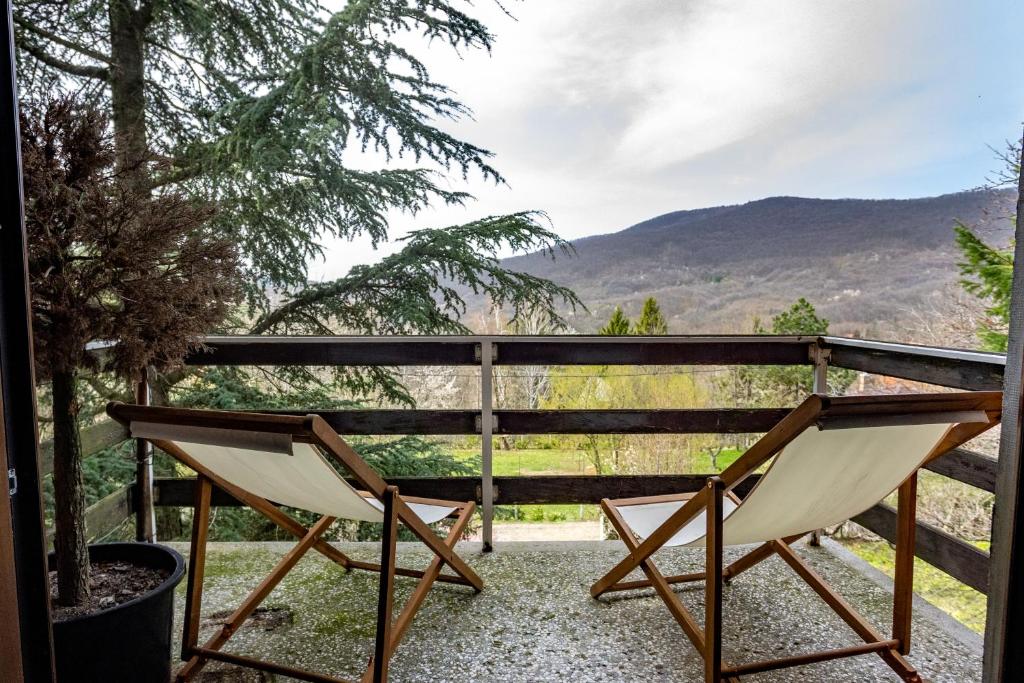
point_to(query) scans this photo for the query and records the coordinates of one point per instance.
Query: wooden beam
(665, 421)
(336, 351)
(969, 467)
(108, 513)
(690, 421)
(18, 421)
(961, 560)
(1004, 627)
(95, 438)
(511, 350)
(961, 370)
(728, 350)
(552, 489)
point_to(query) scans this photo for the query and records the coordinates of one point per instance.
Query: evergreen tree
(799, 319)
(987, 271)
(618, 324)
(779, 385)
(651, 320)
(265, 107)
(108, 263)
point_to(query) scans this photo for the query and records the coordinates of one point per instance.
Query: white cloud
(608, 113)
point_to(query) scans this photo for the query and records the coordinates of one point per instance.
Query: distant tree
(617, 325)
(987, 271)
(777, 386)
(651, 320)
(108, 262)
(799, 319)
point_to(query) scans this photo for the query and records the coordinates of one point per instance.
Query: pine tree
(108, 263)
(651, 320)
(264, 107)
(618, 324)
(987, 271)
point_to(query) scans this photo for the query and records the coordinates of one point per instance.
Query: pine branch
(28, 25)
(422, 287)
(70, 68)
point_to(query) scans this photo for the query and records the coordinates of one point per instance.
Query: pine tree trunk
(127, 89)
(69, 493)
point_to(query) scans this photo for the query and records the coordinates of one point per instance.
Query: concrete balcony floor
(536, 621)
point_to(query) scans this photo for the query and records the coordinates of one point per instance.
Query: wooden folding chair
(831, 459)
(270, 460)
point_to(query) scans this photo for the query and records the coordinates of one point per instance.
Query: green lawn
(526, 461)
(962, 602)
(531, 461)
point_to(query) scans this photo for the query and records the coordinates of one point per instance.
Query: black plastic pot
(129, 642)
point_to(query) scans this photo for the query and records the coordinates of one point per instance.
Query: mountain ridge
(862, 262)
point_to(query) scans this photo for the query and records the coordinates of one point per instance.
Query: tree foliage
(987, 271)
(777, 385)
(618, 324)
(651, 320)
(108, 264)
(302, 123)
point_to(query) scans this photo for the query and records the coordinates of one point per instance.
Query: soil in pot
(124, 633)
(110, 584)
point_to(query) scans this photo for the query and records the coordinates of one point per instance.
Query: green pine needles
(277, 112)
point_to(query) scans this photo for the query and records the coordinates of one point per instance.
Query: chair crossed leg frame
(708, 640)
(389, 630)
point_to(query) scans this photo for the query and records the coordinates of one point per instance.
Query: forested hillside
(863, 263)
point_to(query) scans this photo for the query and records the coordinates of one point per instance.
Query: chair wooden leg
(386, 597)
(429, 576)
(196, 566)
(754, 558)
(200, 655)
(846, 611)
(903, 593)
(713, 584)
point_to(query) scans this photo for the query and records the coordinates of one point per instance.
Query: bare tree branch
(83, 70)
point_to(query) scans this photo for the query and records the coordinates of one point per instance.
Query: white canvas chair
(270, 460)
(828, 460)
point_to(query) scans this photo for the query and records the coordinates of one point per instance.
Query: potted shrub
(133, 267)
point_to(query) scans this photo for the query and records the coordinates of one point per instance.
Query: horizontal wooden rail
(961, 560)
(507, 350)
(944, 367)
(94, 438)
(968, 467)
(544, 489)
(453, 422)
(106, 514)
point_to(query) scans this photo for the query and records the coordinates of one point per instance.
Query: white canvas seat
(827, 461)
(822, 478)
(265, 461)
(282, 471)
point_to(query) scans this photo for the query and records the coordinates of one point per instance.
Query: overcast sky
(607, 113)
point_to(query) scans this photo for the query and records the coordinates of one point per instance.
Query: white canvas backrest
(826, 476)
(270, 466)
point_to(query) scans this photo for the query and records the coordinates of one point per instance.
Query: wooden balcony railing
(944, 367)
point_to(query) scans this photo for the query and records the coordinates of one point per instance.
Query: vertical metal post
(819, 385)
(25, 589)
(1004, 657)
(145, 519)
(487, 442)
